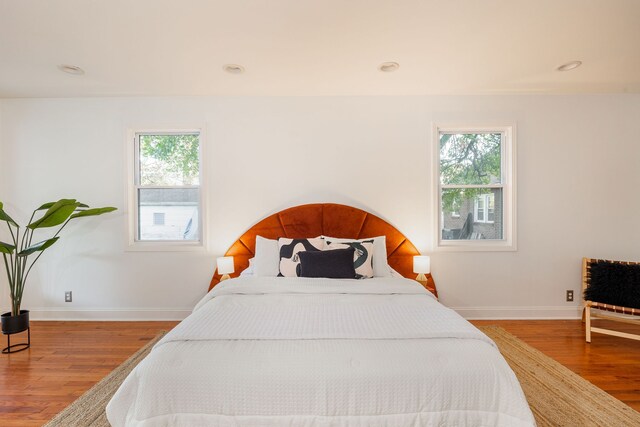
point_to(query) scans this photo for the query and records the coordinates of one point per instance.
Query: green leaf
(49, 204)
(93, 212)
(46, 206)
(40, 246)
(5, 217)
(6, 248)
(58, 213)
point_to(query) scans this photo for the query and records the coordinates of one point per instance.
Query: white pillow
(362, 257)
(380, 265)
(249, 271)
(395, 273)
(267, 258)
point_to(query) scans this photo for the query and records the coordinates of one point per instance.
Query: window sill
(475, 246)
(165, 247)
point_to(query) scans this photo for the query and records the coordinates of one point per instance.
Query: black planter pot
(14, 324)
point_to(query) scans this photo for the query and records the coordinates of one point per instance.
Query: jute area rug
(557, 396)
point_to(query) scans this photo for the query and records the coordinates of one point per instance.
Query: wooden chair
(618, 313)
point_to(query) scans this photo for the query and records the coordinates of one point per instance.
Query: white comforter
(319, 352)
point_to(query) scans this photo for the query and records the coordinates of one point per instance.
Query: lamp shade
(225, 265)
(421, 264)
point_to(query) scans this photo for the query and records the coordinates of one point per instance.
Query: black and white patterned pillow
(289, 248)
(362, 257)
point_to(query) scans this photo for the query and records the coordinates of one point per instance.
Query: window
(165, 193)
(475, 188)
(484, 208)
(455, 209)
(158, 218)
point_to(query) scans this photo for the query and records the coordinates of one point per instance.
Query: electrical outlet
(68, 297)
(569, 295)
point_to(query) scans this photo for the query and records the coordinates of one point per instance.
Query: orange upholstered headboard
(324, 219)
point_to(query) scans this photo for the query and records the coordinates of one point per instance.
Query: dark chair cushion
(335, 264)
(614, 283)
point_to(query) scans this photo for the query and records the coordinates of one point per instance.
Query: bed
(301, 351)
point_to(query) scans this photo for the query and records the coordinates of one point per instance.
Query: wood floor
(67, 358)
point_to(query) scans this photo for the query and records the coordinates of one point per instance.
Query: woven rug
(557, 396)
(89, 409)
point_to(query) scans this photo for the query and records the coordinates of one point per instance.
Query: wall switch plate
(68, 297)
(569, 295)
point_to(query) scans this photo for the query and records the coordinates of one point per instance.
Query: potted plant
(17, 254)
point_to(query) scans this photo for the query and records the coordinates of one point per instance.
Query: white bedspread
(319, 352)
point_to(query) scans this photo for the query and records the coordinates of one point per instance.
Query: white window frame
(508, 185)
(476, 208)
(132, 184)
(485, 210)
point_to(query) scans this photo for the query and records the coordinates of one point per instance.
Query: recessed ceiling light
(569, 66)
(388, 67)
(233, 68)
(71, 69)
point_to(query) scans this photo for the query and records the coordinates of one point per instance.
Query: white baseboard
(506, 313)
(101, 314)
(140, 314)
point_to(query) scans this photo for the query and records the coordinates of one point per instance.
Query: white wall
(578, 174)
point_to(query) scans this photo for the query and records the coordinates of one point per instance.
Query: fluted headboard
(324, 219)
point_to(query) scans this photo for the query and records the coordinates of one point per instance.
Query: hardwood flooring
(67, 358)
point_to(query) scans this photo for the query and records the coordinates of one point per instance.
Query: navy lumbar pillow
(335, 264)
(362, 257)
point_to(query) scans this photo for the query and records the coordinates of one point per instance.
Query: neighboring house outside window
(455, 210)
(484, 208)
(476, 188)
(165, 195)
(158, 218)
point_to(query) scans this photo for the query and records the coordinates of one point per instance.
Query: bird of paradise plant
(17, 254)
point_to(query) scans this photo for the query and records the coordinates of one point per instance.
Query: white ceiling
(322, 47)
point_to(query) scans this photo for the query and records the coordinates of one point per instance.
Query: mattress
(321, 352)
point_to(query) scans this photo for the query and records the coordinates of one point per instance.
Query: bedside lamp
(225, 266)
(422, 266)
